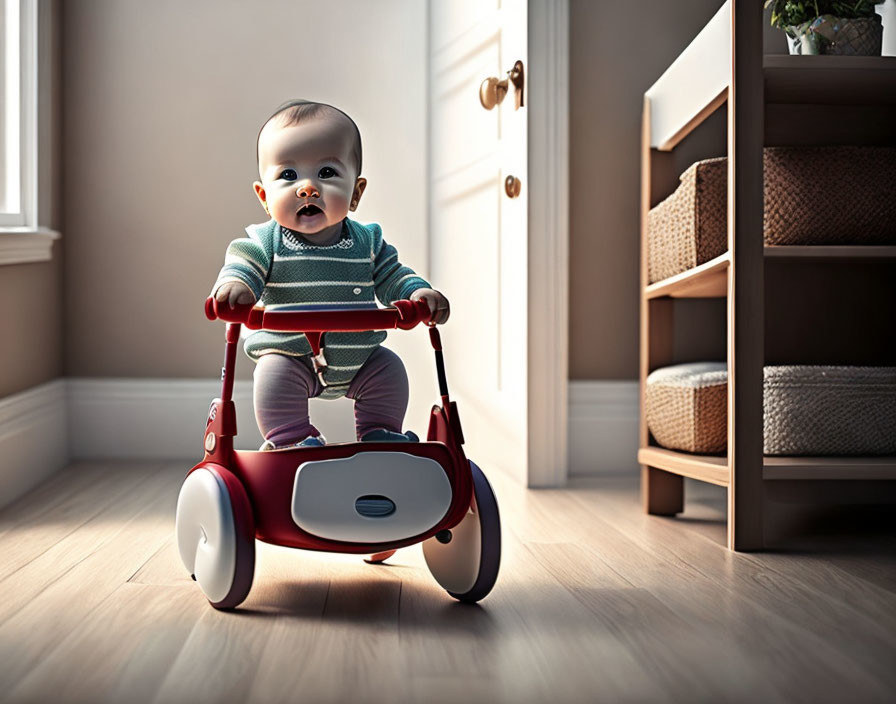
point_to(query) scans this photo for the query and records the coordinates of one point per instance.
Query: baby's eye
(327, 172)
(288, 175)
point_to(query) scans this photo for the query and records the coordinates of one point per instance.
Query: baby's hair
(294, 112)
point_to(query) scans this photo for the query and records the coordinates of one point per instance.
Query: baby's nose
(306, 189)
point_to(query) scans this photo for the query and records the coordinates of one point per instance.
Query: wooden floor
(595, 602)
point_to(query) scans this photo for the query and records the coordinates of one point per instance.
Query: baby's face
(309, 175)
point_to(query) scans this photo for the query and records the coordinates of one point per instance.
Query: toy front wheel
(465, 560)
(215, 532)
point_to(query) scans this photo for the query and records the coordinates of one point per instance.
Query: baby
(309, 252)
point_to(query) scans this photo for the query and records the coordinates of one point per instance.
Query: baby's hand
(234, 293)
(439, 307)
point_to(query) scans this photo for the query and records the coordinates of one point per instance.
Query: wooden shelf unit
(766, 99)
(710, 279)
(707, 468)
(821, 468)
(714, 468)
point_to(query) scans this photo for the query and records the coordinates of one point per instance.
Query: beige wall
(163, 101)
(161, 104)
(617, 51)
(31, 344)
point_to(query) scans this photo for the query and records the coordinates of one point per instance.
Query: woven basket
(830, 410)
(690, 226)
(830, 195)
(687, 406)
(813, 195)
(808, 410)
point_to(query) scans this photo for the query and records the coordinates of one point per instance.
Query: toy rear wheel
(215, 532)
(465, 560)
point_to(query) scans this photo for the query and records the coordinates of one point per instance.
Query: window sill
(21, 245)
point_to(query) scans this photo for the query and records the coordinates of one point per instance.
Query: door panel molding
(548, 106)
(518, 403)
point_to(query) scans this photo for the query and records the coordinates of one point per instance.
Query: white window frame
(22, 239)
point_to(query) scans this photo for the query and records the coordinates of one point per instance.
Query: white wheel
(215, 537)
(465, 560)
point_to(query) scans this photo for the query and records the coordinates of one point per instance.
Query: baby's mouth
(309, 210)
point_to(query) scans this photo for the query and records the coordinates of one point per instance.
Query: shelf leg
(745, 522)
(746, 286)
(662, 493)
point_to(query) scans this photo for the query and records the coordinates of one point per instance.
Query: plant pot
(827, 34)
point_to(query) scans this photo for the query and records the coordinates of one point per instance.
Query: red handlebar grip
(222, 311)
(411, 313)
(404, 315)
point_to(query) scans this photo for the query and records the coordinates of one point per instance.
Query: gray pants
(284, 384)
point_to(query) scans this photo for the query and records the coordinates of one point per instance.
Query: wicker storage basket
(830, 195)
(690, 226)
(808, 410)
(830, 410)
(813, 196)
(687, 406)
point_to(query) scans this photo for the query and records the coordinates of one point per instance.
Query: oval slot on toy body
(374, 506)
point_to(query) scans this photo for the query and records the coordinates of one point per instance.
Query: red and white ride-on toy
(364, 498)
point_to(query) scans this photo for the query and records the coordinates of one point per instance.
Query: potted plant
(846, 27)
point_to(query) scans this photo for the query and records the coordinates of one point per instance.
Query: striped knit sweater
(282, 269)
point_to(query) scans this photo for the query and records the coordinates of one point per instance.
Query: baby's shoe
(383, 435)
(310, 441)
(313, 441)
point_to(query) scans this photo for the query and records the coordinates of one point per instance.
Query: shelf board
(693, 87)
(830, 80)
(714, 468)
(830, 252)
(709, 280)
(706, 468)
(817, 468)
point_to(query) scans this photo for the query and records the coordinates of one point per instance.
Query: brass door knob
(512, 186)
(493, 90)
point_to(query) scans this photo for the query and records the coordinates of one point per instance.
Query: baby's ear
(360, 185)
(262, 196)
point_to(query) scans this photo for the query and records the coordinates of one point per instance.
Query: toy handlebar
(404, 315)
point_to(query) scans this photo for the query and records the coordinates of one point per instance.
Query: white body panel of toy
(206, 536)
(325, 492)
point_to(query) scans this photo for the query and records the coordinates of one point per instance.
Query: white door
(478, 245)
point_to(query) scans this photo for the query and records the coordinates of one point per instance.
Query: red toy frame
(267, 477)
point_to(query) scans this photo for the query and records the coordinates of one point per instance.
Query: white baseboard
(603, 427)
(145, 418)
(33, 438)
(42, 429)
(165, 418)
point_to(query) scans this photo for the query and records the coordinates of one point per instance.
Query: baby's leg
(281, 391)
(380, 391)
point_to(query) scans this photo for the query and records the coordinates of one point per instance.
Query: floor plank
(55, 510)
(90, 666)
(595, 602)
(55, 594)
(802, 626)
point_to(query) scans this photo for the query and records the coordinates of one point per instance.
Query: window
(21, 239)
(17, 138)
